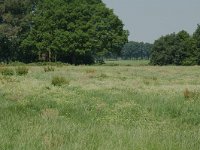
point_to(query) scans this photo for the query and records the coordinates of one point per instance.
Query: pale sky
(147, 20)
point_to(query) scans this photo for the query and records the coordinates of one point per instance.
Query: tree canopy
(136, 50)
(77, 31)
(196, 37)
(13, 15)
(176, 49)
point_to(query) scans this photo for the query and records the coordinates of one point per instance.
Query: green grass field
(124, 107)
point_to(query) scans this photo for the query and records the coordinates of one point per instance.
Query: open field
(134, 107)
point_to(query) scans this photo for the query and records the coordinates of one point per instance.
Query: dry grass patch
(50, 113)
(188, 94)
(91, 71)
(49, 69)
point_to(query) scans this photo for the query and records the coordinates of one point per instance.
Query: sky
(147, 20)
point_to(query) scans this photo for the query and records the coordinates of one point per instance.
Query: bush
(22, 70)
(189, 62)
(16, 63)
(7, 71)
(102, 75)
(90, 71)
(48, 69)
(191, 94)
(58, 81)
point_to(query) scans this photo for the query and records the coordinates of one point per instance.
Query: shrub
(16, 63)
(58, 81)
(7, 71)
(146, 81)
(48, 69)
(154, 78)
(186, 93)
(22, 70)
(90, 71)
(102, 75)
(191, 94)
(189, 62)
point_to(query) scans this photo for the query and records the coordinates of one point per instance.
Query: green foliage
(15, 16)
(21, 70)
(75, 31)
(16, 63)
(7, 71)
(196, 37)
(136, 50)
(15, 21)
(5, 48)
(58, 81)
(174, 49)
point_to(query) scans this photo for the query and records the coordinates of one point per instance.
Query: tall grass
(21, 70)
(110, 113)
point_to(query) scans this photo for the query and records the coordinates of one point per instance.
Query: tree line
(177, 49)
(72, 31)
(172, 49)
(82, 32)
(136, 50)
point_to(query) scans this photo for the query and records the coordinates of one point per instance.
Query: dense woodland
(82, 32)
(78, 31)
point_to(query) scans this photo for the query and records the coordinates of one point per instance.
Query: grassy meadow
(122, 105)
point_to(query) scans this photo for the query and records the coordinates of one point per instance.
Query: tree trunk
(39, 56)
(49, 55)
(73, 59)
(55, 58)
